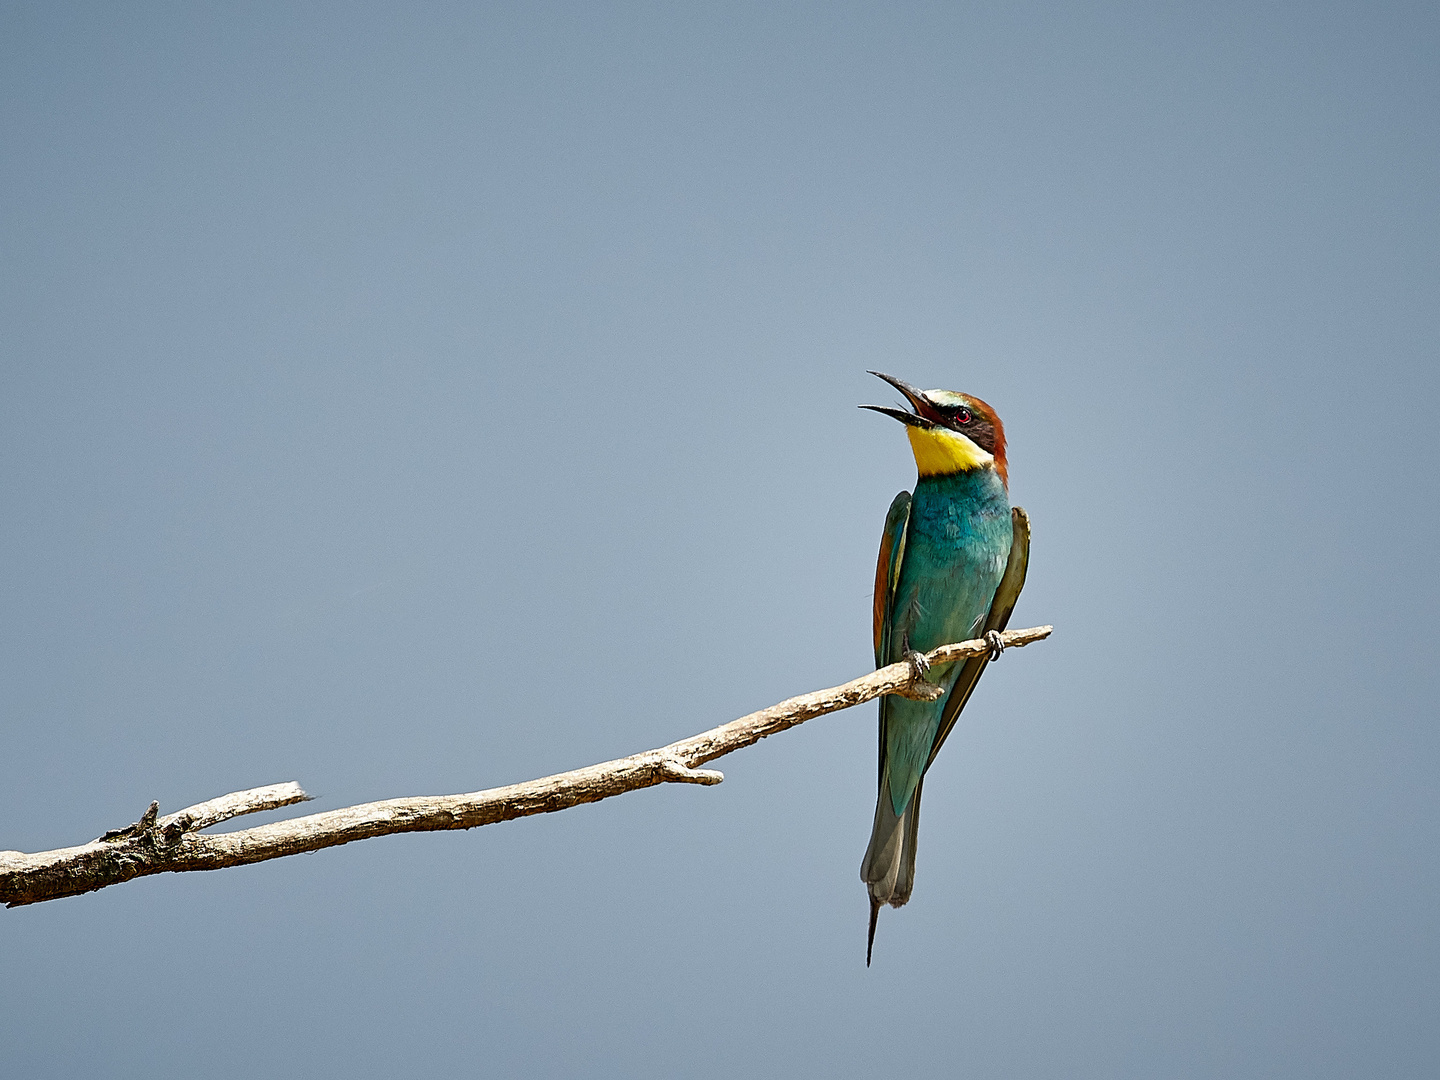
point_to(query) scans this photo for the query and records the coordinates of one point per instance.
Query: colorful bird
(952, 564)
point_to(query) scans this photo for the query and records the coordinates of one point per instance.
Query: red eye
(963, 416)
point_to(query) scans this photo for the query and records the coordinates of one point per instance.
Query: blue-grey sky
(412, 399)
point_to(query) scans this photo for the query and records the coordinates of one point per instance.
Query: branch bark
(174, 843)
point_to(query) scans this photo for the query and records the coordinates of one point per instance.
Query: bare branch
(213, 811)
(155, 845)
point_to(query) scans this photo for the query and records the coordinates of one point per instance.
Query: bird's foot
(919, 688)
(917, 661)
(996, 643)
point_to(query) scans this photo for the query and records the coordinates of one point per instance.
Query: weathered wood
(174, 843)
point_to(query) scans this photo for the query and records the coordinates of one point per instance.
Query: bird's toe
(996, 643)
(918, 661)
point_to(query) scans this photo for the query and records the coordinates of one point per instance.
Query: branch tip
(680, 773)
(920, 689)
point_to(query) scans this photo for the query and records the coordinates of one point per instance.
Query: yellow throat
(939, 451)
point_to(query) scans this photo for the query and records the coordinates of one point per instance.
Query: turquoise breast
(956, 545)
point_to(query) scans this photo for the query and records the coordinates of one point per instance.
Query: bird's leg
(916, 659)
(996, 643)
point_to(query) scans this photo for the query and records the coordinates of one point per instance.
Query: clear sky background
(408, 399)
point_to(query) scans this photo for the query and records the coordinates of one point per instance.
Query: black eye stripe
(973, 426)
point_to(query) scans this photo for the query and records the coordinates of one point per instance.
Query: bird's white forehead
(947, 397)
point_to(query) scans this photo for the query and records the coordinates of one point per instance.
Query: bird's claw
(996, 643)
(917, 661)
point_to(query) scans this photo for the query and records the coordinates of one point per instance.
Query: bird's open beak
(900, 414)
(925, 414)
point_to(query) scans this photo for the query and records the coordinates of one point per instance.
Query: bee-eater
(952, 563)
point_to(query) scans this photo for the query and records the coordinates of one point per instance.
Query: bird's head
(949, 432)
